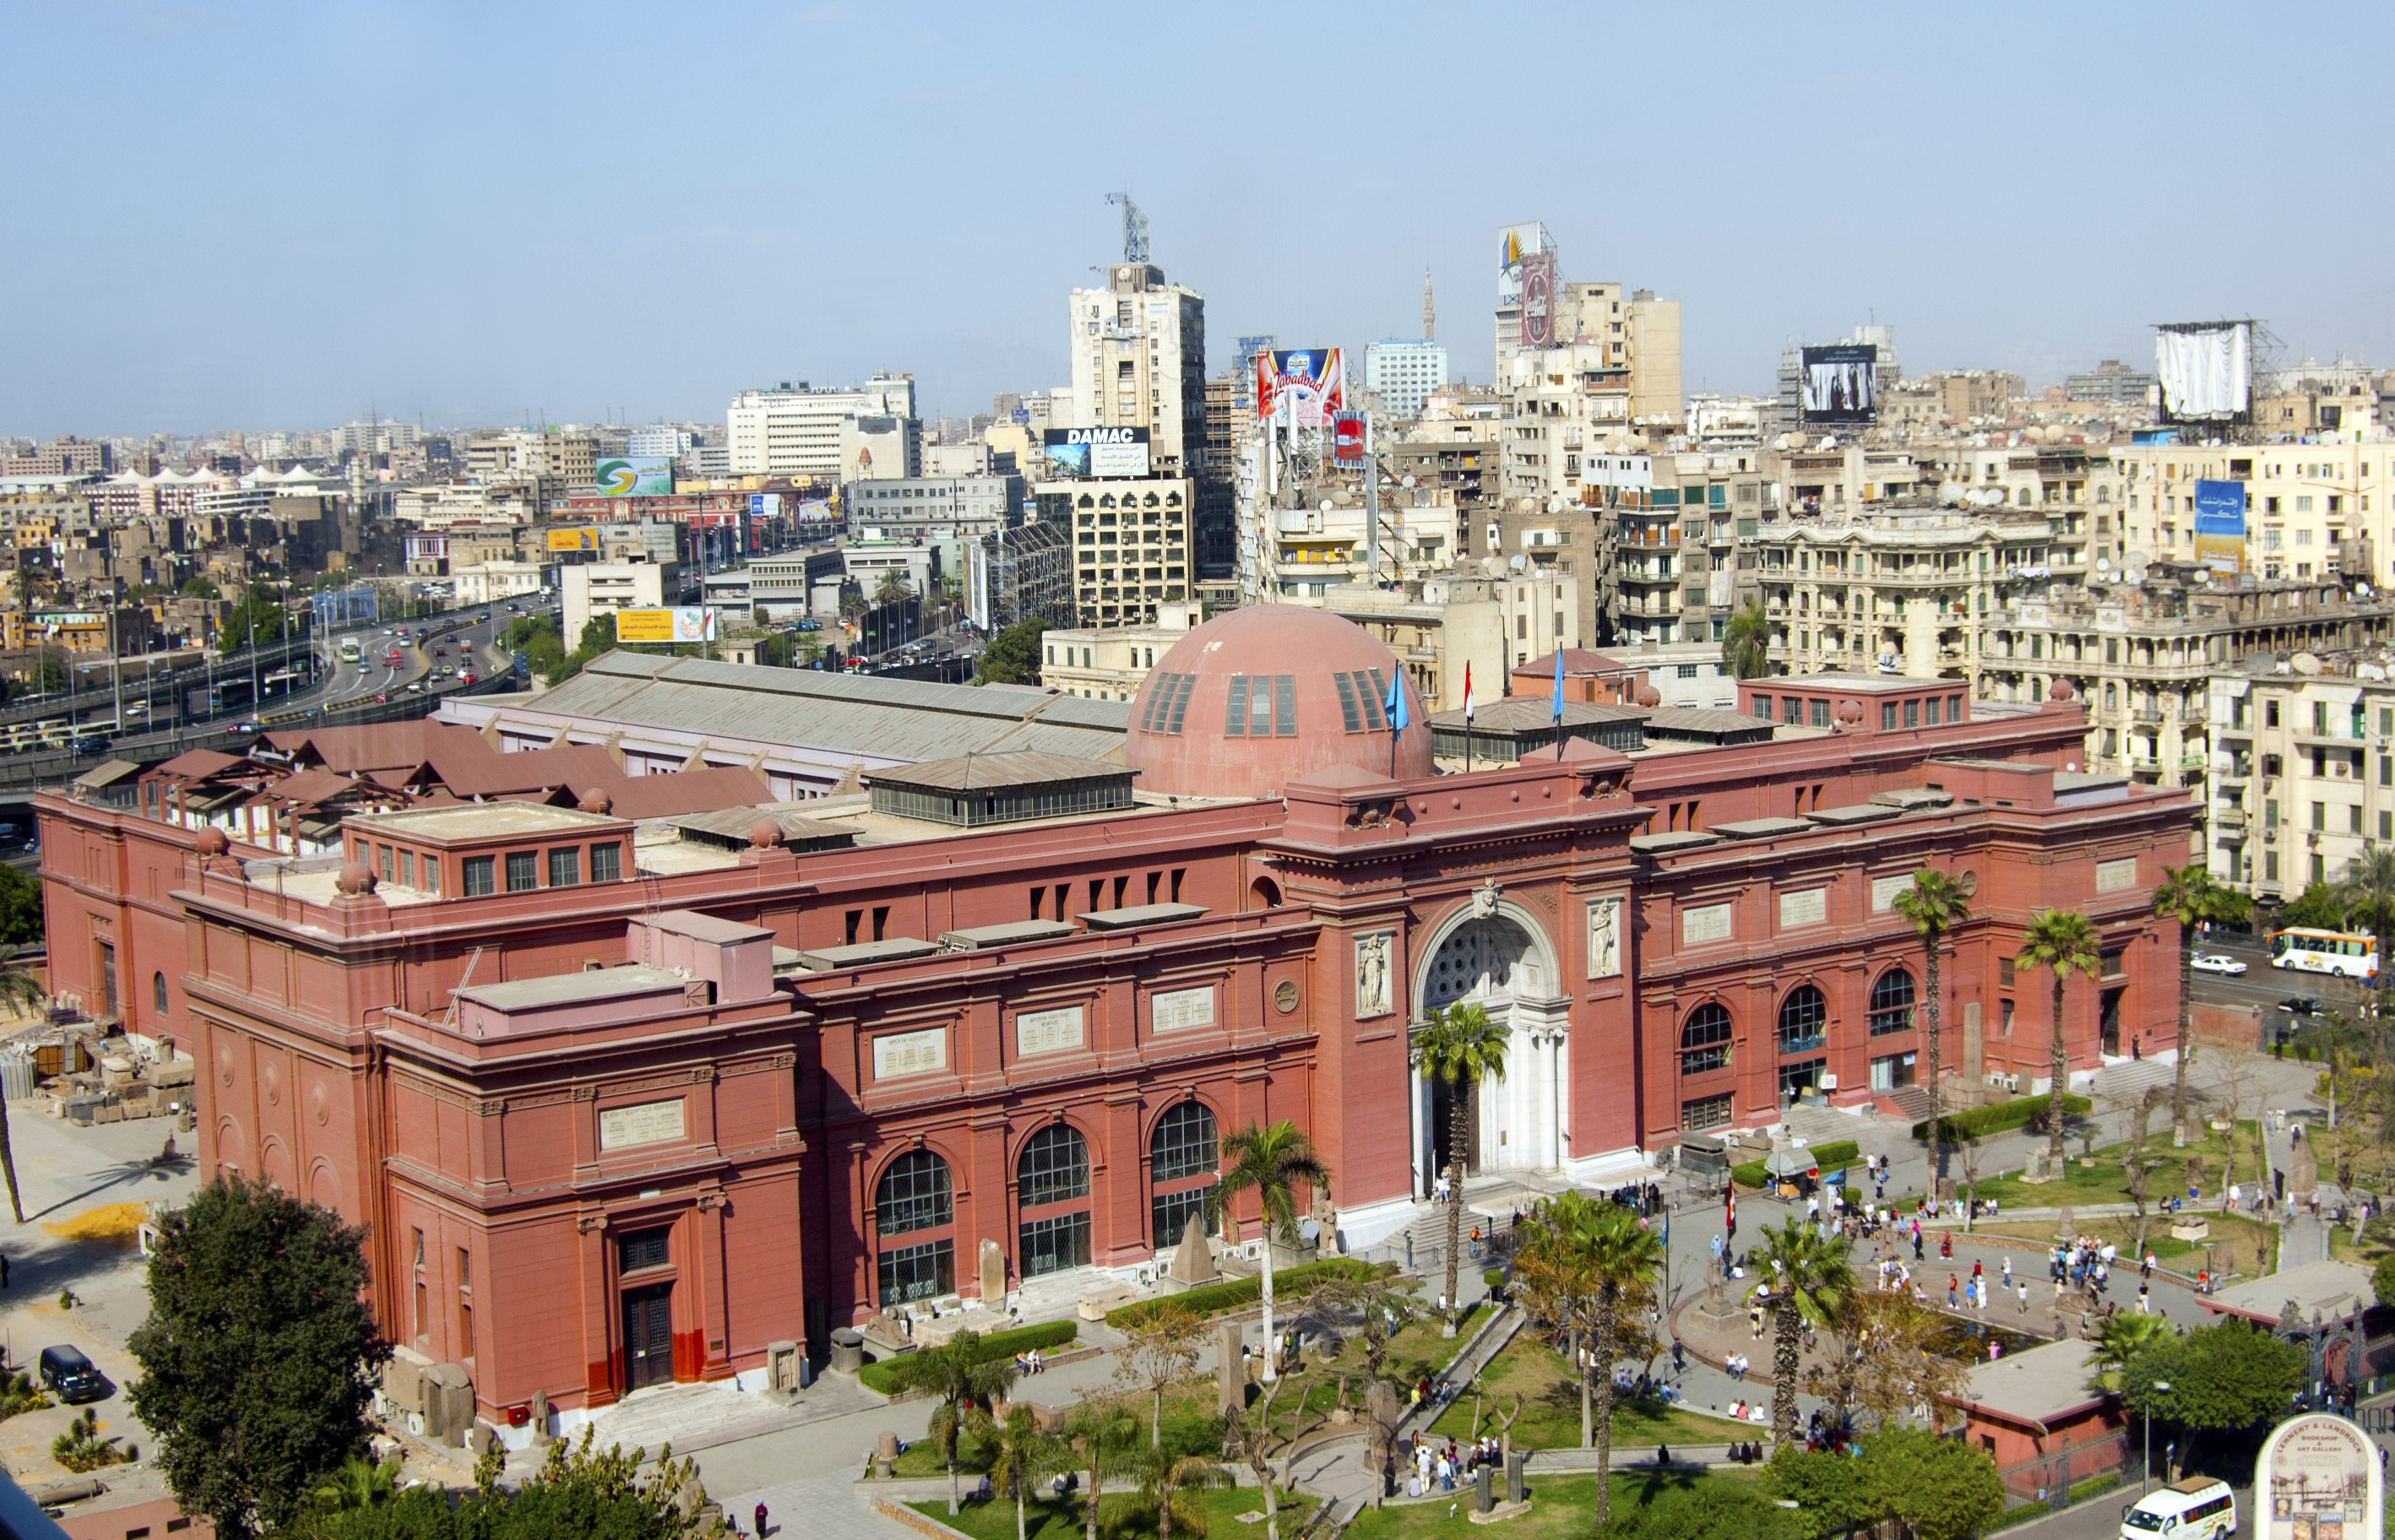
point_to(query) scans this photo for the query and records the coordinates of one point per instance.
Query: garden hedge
(1836, 1155)
(1006, 1343)
(2002, 1117)
(1235, 1293)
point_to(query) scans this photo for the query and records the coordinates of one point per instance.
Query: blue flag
(1559, 686)
(1395, 704)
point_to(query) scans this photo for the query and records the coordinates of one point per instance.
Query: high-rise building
(1139, 361)
(664, 440)
(795, 430)
(1404, 371)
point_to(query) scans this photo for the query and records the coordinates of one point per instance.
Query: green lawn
(2233, 1244)
(1550, 1416)
(1561, 1508)
(1121, 1515)
(2103, 1181)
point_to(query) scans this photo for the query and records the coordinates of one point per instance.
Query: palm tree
(1461, 1048)
(1164, 1476)
(1021, 1452)
(962, 1373)
(1935, 904)
(2123, 1339)
(1809, 1278)
(1276, 1162)
(892, 585)
(358, 1484)
(1746, 642)
(2189, 895)
(1551, 1283)
(1106, 1434)
(1603, 1249)
(2367, 892)
(20, 990)
(2065, 941)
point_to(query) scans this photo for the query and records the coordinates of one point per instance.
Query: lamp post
(2146, 1473)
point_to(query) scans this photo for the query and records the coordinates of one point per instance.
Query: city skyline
(277, 218)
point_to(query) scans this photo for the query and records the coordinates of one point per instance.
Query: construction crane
(1135, 228)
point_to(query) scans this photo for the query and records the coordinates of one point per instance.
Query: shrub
(1005, 1344)
(2002, 1117)
(1836, 1155)
(1236, 1293)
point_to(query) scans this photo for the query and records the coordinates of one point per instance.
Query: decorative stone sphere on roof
(2059, 690)
(595, 801)
(764, 834)
(1850, 714)
(212, 843)
(1649, 697)
(1252, 700)
(354, 880)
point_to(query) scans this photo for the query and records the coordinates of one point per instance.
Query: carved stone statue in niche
(1373, 974)
(1484, 900)
(1603, 938)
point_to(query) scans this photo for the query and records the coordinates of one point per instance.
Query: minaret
(1430, 316)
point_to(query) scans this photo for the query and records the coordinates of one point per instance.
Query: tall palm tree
(2123, 1339)
(892, 585)
(1276, 1162)
(20, 990)
(1021, 1454)
(1934, 905)
(1746, 642)
(1164, 1476)
(1461, 1047)
(1105, 1433)
(962, 1373)
(2063, 941)
(1809, 1278)
(2189, 895)
(1551, 1283)
(1604, 1249)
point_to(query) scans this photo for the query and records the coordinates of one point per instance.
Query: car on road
(71, 1377)
(415, 687)
(380, 697)
(466, 678)
(2301, 1004)
(89, 744)
(2217, 962)
(251, 725)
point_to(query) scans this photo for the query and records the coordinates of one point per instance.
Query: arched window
(915, 1195)
(158, 992)
(1185, 1159)
(1704, 1042)
(1891, 1003)
(1804, 1020)
(1052, 1178)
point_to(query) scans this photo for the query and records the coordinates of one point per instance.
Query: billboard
(2206, 371)
(1538, 299)
(1310, 382)
(1351, 439)
(1514, 243)
(1840, 384)
(2318, 1478)
(574, 540)
(687, 623)
(2221, 526)
(1105, 453)
(764, 505)
(635, 476)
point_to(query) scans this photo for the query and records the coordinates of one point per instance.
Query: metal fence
(2070, 1465)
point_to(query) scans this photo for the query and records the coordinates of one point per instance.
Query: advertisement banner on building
(2206, 370)
(681, 622)
(574, 540)
(1538, 300)
(2221, 526)
(1515, 242)
(635, 476)
(1075, 453)
(1351, 439)
(764, 505)
(1307, 383)
(1840, 384)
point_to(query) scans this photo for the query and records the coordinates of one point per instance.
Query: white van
(2196, 1509)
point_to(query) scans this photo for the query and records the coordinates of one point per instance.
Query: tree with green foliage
(1022, 1454)
(1165, 1476)
(358, 1482)
(2124, 1336)
(198, 587)
(2064, 942)
(1616, 1258)
(1826, 1488)
(1934, 905)
(1933, 1488)
(1105, 1434)
(1713, 1509)
(21, 908)
(614, 1495)
(1157, 1354)
(259, 1356)
(2224, 1379)
(1460, 1049)
(257, 618)
(961, 1374)
(2317, 906)
(1746, 643)
(1273, 1163)
(2382, 1279)
(1809, 1278)
(2189, 896)
(1012, 655)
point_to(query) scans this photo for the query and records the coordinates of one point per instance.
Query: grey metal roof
(906, 720)
(989, 771)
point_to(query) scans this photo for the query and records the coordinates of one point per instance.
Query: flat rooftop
(485, 821)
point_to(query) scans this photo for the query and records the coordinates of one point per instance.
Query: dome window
(1262, 705)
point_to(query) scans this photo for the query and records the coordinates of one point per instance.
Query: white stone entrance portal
(1495, 954)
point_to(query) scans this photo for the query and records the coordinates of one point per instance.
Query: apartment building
(1306, 552)
(2313, 510)
(1665, 542)
(1138, 347)
(794, 429)
(1404, 372)
(2303, 779)
(915, 505)
(1133, 542)
(1108, 662)
(1493, 621)
(594, 588)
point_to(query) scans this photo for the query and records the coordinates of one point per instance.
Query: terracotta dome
(1309, 687)
(212, 843)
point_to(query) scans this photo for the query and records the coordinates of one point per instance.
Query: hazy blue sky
(285, 215)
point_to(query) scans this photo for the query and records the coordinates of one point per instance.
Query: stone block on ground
(1094, 1304)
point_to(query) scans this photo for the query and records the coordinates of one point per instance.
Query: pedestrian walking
(2024, 1295)
(761, 1521)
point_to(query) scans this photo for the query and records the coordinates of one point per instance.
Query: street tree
(1156, 1354)
(1934, 905)
(1460, 1049)
(2119, 1342)
(1708, 1510)
(1934, 1488)
(1892, 1361)
(962, 1376)
(1012, 655)
(1615, 1259)
(1809, 1277)
(1274, 1163)
(2063, 941)
(1254, 1434)
(1746, 642)
(259, 1356)
(2224, 1379)
(2189, 896)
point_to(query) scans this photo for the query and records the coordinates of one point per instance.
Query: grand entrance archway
(1493, 954)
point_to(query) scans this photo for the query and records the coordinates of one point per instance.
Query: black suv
(72, 1377)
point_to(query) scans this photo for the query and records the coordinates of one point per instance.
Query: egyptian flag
(1467, 694)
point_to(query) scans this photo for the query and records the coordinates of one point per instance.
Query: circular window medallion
(1285, 996)
(316, 1103)
(224, 1065)
(271, 1079)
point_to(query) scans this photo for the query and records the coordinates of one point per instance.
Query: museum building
(629, 1100)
